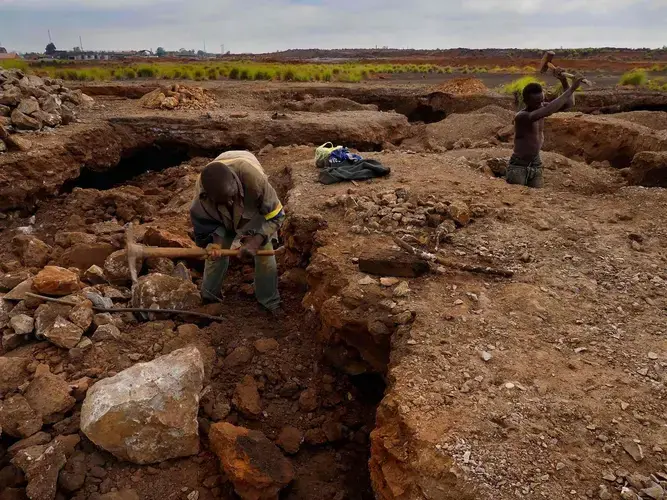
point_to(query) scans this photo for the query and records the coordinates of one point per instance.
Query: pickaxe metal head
(546, 61)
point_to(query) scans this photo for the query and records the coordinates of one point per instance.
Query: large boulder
(165, 292)
(53, 280)
(32, 251)
(148, 413)
(254, 465)
(649, 168)
(42, 464)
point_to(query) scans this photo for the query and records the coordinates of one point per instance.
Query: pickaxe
(135, 251)
(547, 64)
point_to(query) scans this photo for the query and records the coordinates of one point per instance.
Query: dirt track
(527, 387)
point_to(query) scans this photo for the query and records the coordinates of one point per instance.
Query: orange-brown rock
(246, 398)
(254, 465)
(58, 281)
(160, 238)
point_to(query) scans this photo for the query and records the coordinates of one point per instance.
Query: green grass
(635, 77)
(517, 86)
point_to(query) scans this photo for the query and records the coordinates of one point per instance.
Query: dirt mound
(457, 131)
(600, 138)
(178, 97)
(657, 120)
(462, 86)
(503, 113)
(328, 105)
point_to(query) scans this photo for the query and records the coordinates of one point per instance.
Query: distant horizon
(267, 26)
(439, 49)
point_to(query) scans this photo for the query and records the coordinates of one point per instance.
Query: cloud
(265, 26)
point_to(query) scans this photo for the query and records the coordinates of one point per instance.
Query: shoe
(277, 313)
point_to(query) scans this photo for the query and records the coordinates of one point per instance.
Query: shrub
(212, 73)
(635, 77)
(245, 74)
(289, 75)
(234, 73)
(199, 74)
(129, 73)
(517, 86)
(146, 72)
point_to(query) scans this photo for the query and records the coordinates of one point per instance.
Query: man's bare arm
(556, 105)
(566, 85)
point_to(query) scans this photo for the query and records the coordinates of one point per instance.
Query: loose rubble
(178, 97)
(33, 103)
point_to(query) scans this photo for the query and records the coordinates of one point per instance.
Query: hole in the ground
(426, 114)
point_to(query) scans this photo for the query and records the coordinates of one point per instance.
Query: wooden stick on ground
(127, 309)
(429, 257)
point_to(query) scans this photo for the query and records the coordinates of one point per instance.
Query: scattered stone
(266, 345)
(160, 238)
(84, 255)
(334, 431)
(22, 324)
(24, 122)
(165, 292)
(13, 373)
(73, 476)
(246, 398)
(603, 493)
(403, 318)
(633, 449)
(41, 465)
(12, 279)
(49, 395)
(238, 357)
(34, 440)
(402, 290)
(148, 413)
(28, 106)
(99, 301)
(61, 332)
(17, 418)
(653, 356)
(308, 400)
(56, 281)
(290, 440)
(486, 356)
(82, 315)
(315, 437)
(117, 269)
(460, 213)
(95, 275)
(254, 465)
(628, 494)
(18, 293)
(182, 272)
(655, 492)
(19, 143)
(367, 280)
(33, 252)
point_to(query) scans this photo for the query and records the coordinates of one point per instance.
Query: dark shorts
(525, 173)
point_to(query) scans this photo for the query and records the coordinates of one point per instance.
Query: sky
(271, 25)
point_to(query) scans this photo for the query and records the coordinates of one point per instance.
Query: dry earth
(439, 385)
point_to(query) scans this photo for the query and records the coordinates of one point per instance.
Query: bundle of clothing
(339, 164)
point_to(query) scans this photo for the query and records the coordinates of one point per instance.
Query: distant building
(3, 50)
(11, 55)
(71, 55)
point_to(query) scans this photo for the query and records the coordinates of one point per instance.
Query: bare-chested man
(525, 166)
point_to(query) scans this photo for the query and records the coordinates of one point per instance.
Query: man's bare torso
(529, 136)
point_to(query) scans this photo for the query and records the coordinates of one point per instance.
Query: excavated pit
(142, 187)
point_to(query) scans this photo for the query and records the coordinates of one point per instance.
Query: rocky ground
(545, 382)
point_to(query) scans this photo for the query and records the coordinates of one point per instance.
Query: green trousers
(266, 275)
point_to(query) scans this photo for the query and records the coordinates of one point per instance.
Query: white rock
(486, 356)
(148, 413)
(22, 324)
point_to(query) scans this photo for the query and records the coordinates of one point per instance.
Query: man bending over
(525, 165)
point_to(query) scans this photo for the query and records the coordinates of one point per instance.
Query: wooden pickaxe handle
(569, 75)
(192, 253)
